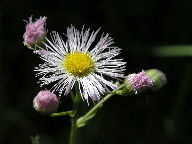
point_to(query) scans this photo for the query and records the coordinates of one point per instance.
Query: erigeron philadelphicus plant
(80, 65)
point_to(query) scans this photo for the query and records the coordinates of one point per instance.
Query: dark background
(138, 27)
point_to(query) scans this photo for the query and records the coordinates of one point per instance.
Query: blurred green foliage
(172, 51)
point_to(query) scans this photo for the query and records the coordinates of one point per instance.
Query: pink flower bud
(35, 32)
(139, 82)
(45, 102)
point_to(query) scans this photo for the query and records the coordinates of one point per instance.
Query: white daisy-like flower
(75, 61)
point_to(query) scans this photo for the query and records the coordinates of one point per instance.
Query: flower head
(139, 82)
(45, 102)
(78, 60)
(35, 32)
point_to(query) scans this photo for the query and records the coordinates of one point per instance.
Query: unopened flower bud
(138, 82)
(45, 102)
(158, 77)
(35, 32)
(135, 83)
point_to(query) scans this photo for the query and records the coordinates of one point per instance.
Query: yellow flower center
(78, 64)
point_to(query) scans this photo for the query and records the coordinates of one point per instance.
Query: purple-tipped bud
(138, 82)
(35, 32)
(45, 102)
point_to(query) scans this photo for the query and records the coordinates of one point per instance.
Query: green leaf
(172, 51)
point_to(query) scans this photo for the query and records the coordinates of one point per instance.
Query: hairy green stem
(82, 120)
(70, 113)
(73, 132)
